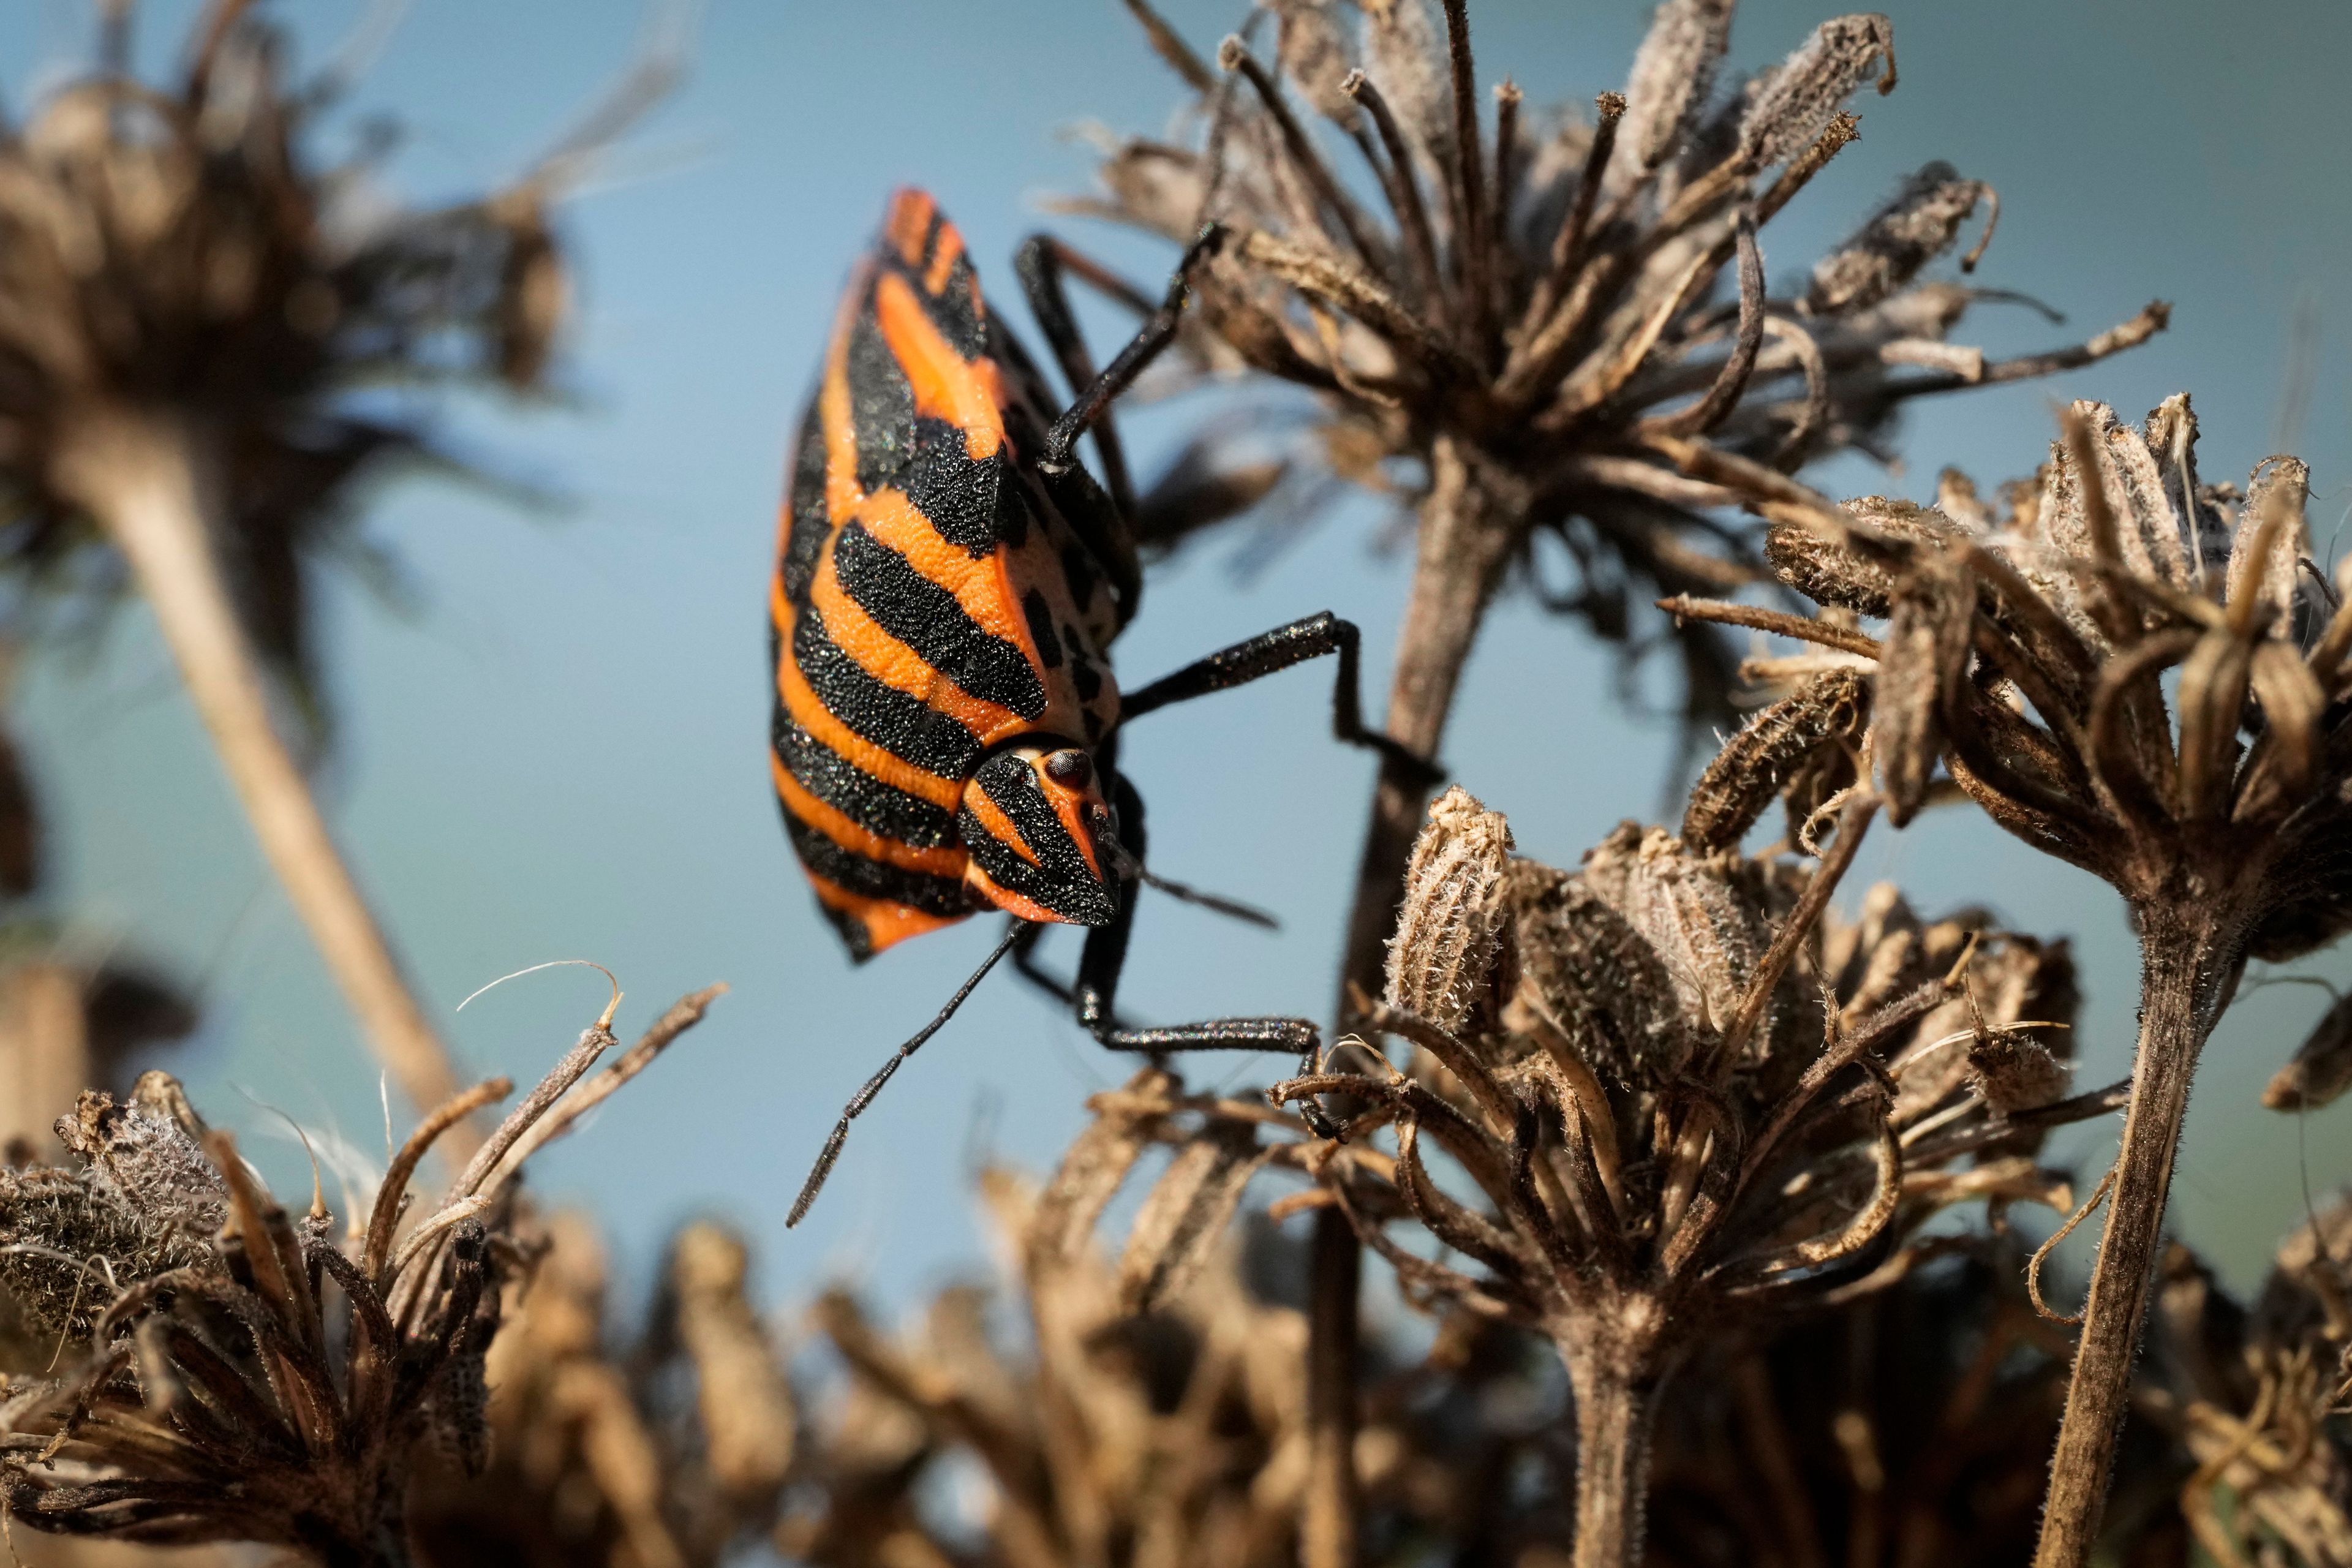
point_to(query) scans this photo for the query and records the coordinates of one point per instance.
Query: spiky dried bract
(2321, 1069)
(232, 1374)
(1449, 934)
(1547, 320)
(2034, 652)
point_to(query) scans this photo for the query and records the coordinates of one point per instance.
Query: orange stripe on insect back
(908, 223)
(856, 837)
(1011, 903)
(967, 394)
(842, 491)
(982, 585)
(1069, 805)
(863, 754)
(780, 608)
(943, 259)
(1000, 826)
(886, 923)
(899, 666)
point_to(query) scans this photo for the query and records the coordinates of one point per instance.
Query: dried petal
(1899, 238)
(1450, 928)
(1757, 764)
(2321, 1069)
(1789, 107)
(1674, 72)
(1186, 1214)
(1924, 657)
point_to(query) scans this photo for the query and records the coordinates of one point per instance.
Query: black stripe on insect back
(899, 724)
(881, 405)
(810, 519)
(856, 793)
(928, 619)
(856, 873)
(962, 498)
(1060, 880)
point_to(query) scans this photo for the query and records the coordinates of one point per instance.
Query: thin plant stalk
(2184, 985)
(148, 478)
(1613, 1415)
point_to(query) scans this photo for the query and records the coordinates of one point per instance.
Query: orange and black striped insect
(948, 583)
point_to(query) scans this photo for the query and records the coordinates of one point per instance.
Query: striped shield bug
(948, 580)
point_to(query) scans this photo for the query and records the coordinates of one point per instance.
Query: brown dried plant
(192, 297)
(2029, 649)
(1528, 316)
(1680, 1095)
(1157, 1413)
(669, 1451)
(238, 1375)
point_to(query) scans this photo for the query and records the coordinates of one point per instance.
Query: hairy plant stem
(151, 482)
(1470, 523)
(1615, 1400)
(2188, 967)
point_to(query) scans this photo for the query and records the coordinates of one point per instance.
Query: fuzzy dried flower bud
(1925, 655)
(1791, 104)
(1674, 72)
(2321, 1069)
(2013, 1071)
(1833, 571)
(1449, 932)
(1698, 912)
(1899, 238)
(149, 1161)
(1756, 764)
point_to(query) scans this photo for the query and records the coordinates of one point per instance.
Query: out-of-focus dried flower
(237, 1374)
(2321, 1069)
(2030, 654)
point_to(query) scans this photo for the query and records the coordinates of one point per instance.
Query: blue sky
(558, 753)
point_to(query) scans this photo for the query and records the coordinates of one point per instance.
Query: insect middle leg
(1093, 398)
(1270, 652)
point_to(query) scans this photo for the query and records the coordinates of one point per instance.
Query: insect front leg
(1150, 342)
(1270, 652)
(1097, 991)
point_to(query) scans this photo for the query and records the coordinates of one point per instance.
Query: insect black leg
(864, 1097)
(1040, 263)
(1106, 956)
(1278, 649)
(1147, 345)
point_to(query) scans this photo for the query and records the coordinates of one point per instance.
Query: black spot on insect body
(960, 496)
(881, 405)
(1041, 628)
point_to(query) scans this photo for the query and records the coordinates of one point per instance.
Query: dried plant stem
(1472, 520)
(44, 1051)
(1613, 1409)
(2182, 989)
(147, 478)
(1327, 1523)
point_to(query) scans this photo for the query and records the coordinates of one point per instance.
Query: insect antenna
(864, 1097)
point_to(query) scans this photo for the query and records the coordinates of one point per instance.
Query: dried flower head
(239, 1374)
(2030, 654)
(1532, 313)
(1681, 1092)
(184, 253)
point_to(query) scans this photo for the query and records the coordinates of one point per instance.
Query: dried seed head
(1700, 912)
(2014, 1071)
(2267, 555)
(1756, 764)
(2321, 1069)
(1584, 969)
(150, 1161)
(1449, 931)
(1673, 75)
(1899, 238)
(1790, 106)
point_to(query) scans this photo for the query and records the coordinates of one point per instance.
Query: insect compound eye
(1070, 767)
